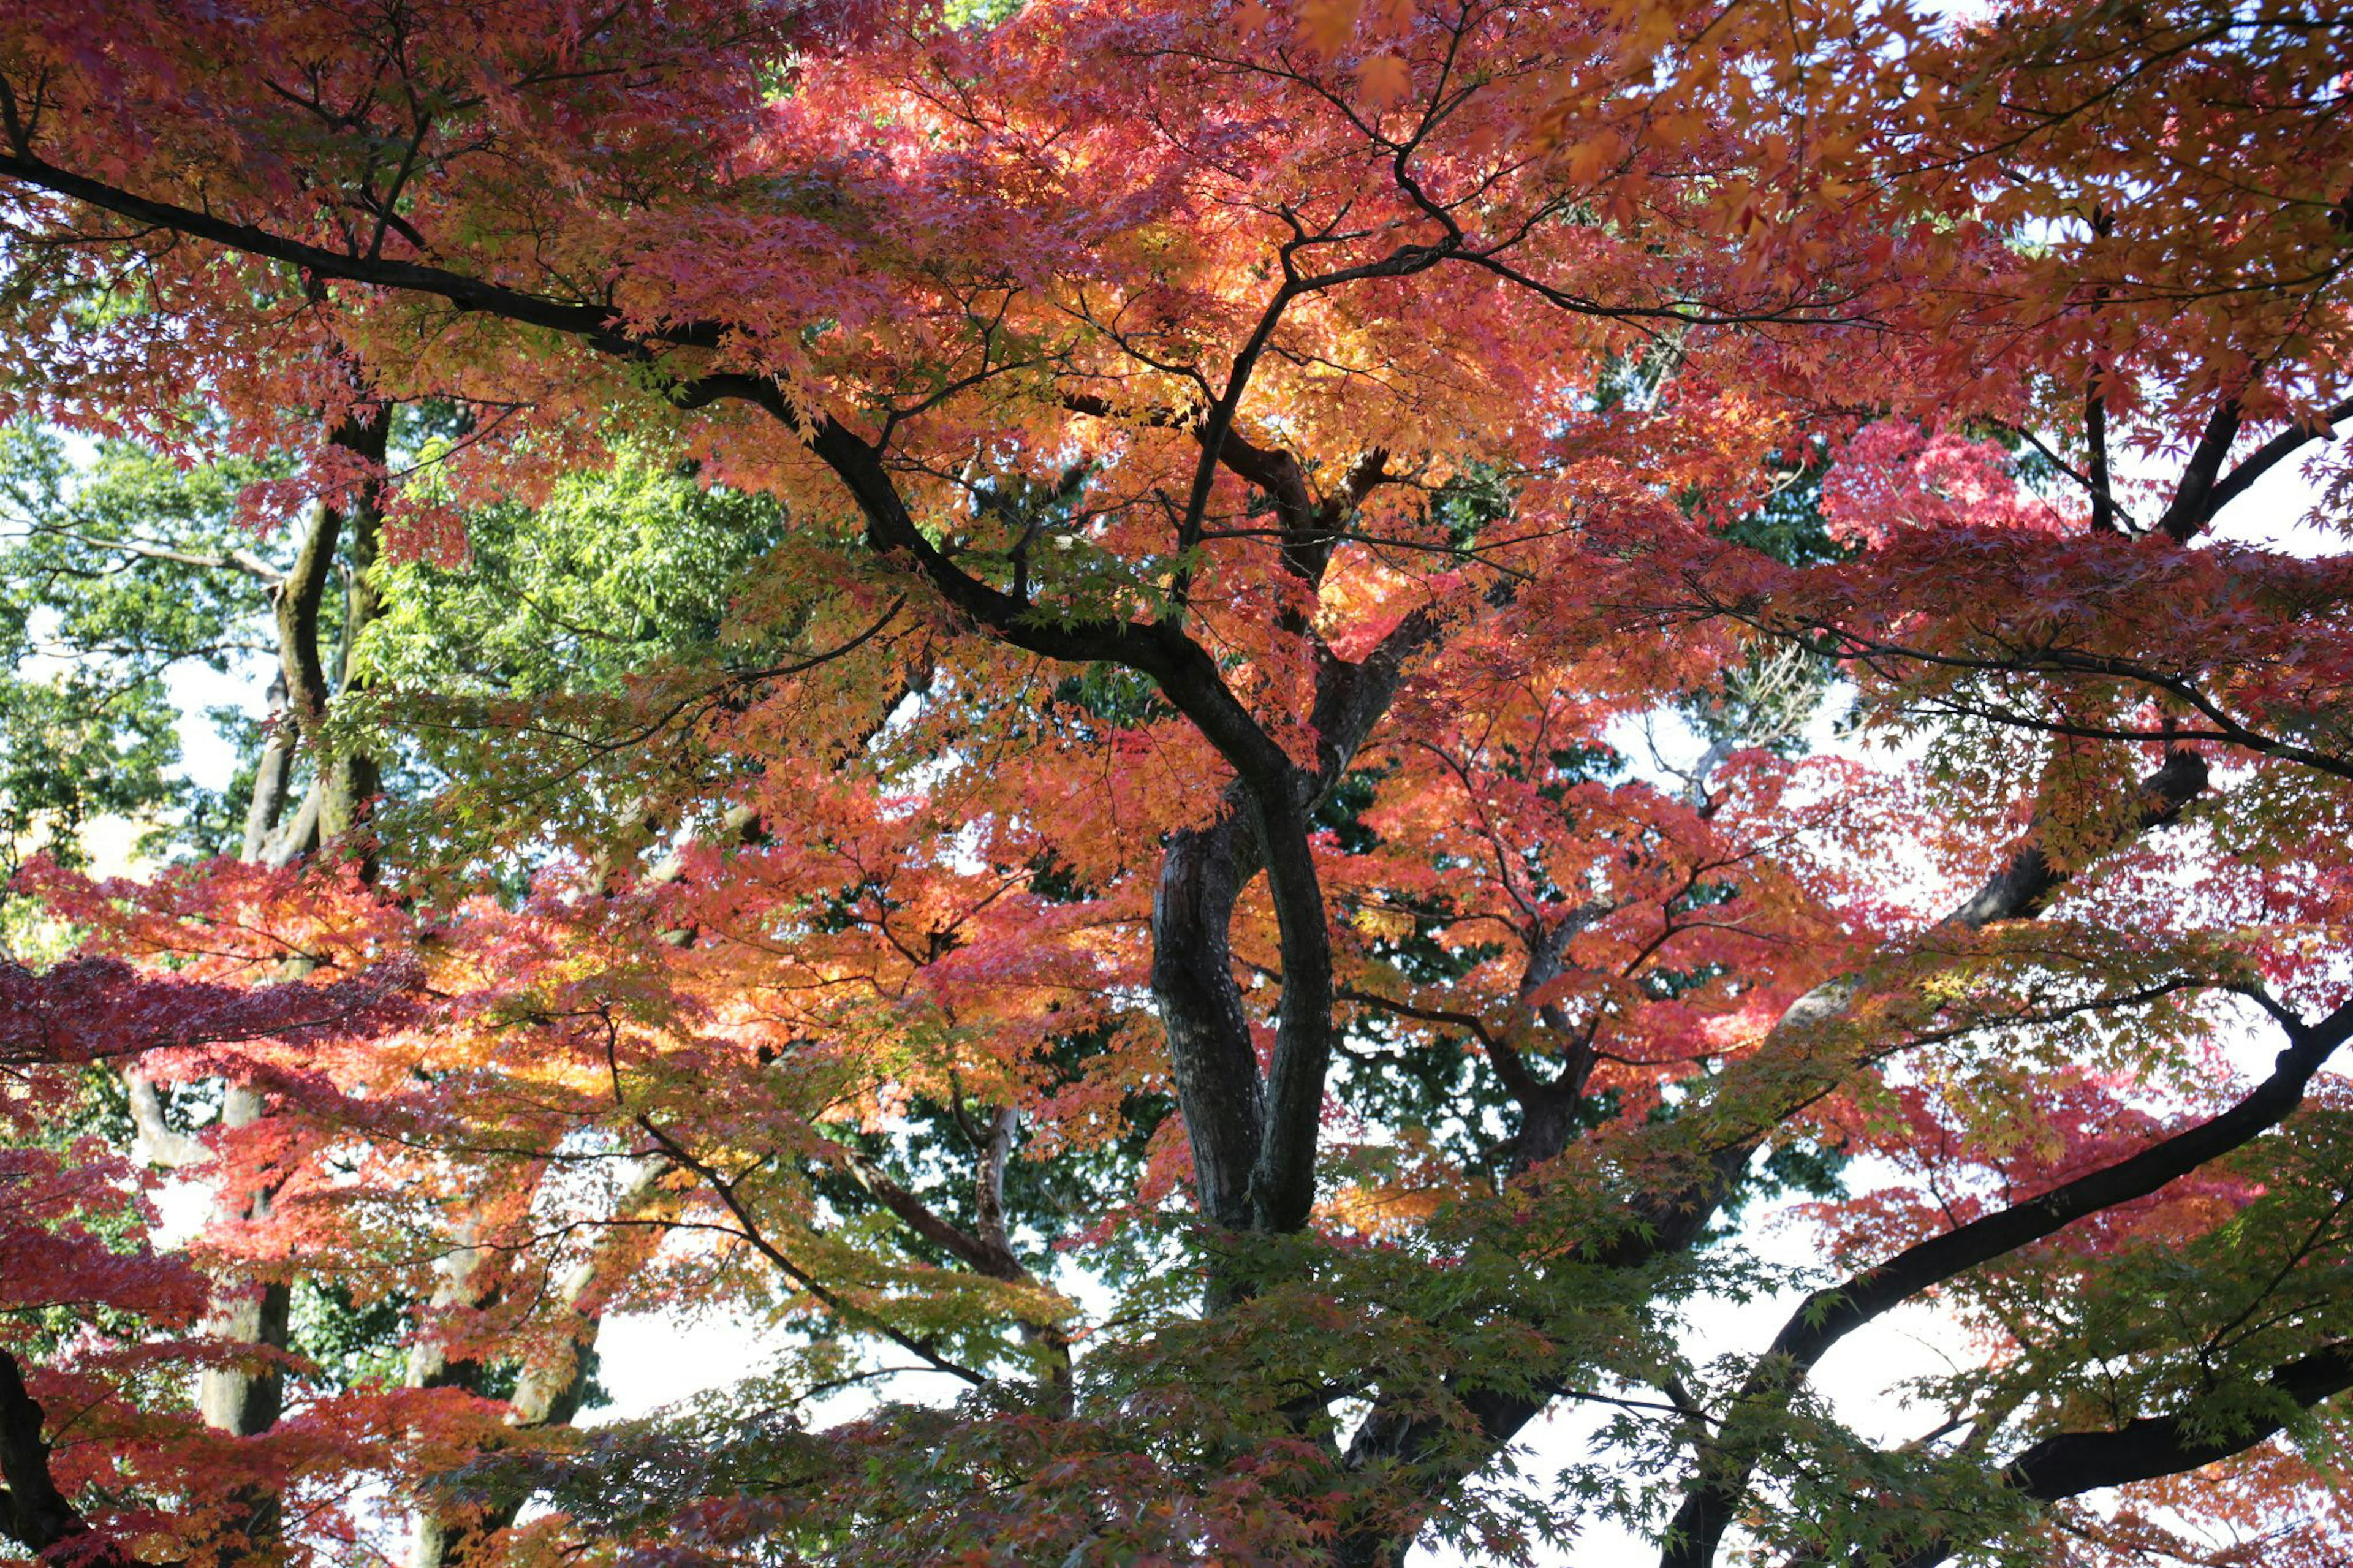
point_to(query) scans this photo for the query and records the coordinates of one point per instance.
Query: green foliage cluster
(119, 574)
(617, 568)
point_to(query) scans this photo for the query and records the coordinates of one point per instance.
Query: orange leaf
(1328, 25)
(1384, 79)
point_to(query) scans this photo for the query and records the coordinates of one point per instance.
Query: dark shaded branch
(2022, 889)
(2271, 454)
(1283, 1182)
(2193, 499)
(1183, 669)
(1829, 1315)
(1219, 1089)
(1667, 1220)
(982, 1254)
(1349, 700)
(2073, 1463)
(2095, 442)
(750, 1233)
(305, 676)
(33, 1513)
(600, 325)
(2076, 1462)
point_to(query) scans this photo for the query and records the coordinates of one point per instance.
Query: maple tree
(1135, 937)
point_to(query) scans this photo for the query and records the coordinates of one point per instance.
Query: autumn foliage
(1414, 672)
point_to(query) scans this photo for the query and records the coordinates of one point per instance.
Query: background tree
(1248, 471)
(168, 576)
(118, 577)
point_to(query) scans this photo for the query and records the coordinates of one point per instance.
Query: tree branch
(2072, 1463)
(2271, 454)
(1666, 1221)
(725, 1190)
(1829, 1315)
(602, 326)
(35, 1512)
(2193, 499)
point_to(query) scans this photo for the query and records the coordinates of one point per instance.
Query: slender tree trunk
(272, 776)
(248, 1402)
(550, 1391)
(240, 1401)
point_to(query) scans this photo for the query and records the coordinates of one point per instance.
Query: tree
(161, 576)
(96, 622)
(1154, 825)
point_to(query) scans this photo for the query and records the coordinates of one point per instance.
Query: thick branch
(305, 675)
(272, 774)
(36, 1514)
(1829, 1315)
(982, 1254)
(299, 601)
(2095, 441)
(2193, 499)
(154, 1139)
(2076, 1462)
(2073, 1463)
(1282, 1183)
(600, 325)
(989, 1182)
(2271, 454)
(1216, 1069)
(2021, 890)
(1185, 672)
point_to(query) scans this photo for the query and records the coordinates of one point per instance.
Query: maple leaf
(1328, 26)
(1385, 80)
